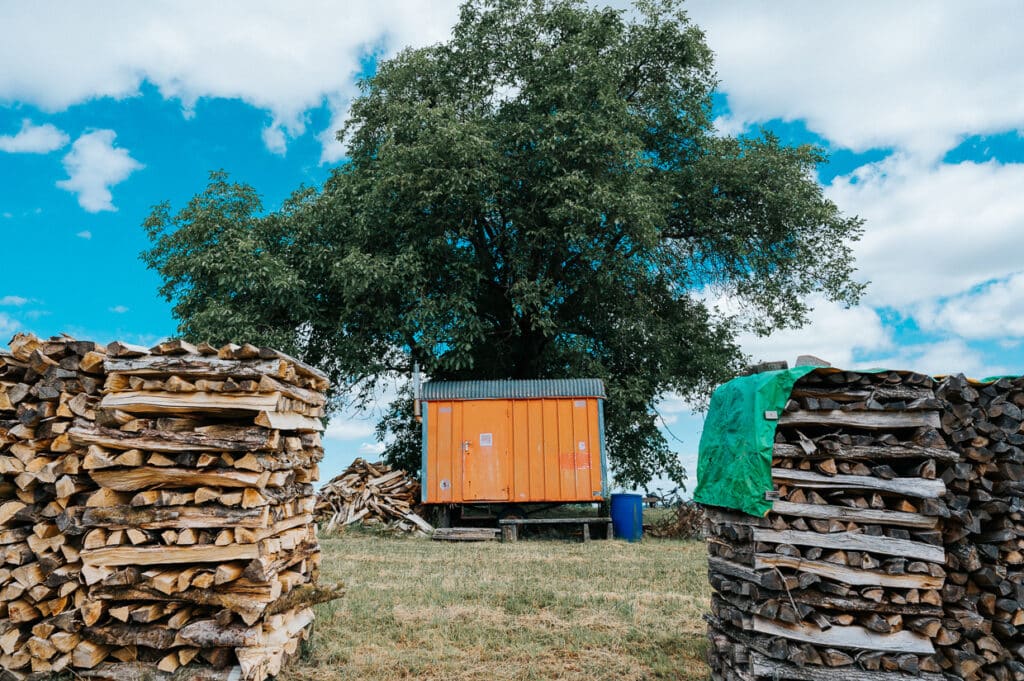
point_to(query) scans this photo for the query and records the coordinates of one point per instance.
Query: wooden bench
(510, 526)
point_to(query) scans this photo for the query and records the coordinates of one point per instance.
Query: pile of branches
(686, 521)
(371, 494)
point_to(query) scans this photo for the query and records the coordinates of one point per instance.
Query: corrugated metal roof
(498, 390)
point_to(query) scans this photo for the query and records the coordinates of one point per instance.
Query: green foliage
(542, 196)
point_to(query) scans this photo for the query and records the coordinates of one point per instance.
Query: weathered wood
(135, 479)
(134, 671)
(247, 599)
(868, 452)
(92, 497)
(117, 634)
(872, 420)
(744, 572)
(763, 666)
(175, 517)
(289, 421)
(161, 402)
(88, 654)
(301, 367)
(119, 349)
(898, 392)
(847, 575)
(847, 637)
(857, 515)
(368, 491)
(223, 438)
(167, 555)
(311, 397)
(849, 541)
(469, 533)
(196, 366)
(911, 487)
(554, 521)
(268, 565)
(210, 634)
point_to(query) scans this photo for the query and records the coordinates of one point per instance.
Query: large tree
(545, 195)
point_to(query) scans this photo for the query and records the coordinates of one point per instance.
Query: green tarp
(735, 465)
(734, 468)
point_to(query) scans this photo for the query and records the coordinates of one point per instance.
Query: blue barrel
(628, 516)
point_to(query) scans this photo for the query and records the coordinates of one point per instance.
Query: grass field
(536, 609)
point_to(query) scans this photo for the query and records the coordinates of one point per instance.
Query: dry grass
(537, 609)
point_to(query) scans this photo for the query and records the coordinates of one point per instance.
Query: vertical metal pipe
(416, 390)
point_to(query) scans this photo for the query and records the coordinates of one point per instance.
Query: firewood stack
(843, 578)
(44, 385)
(985, 536)
(371, 494)
(180, 505)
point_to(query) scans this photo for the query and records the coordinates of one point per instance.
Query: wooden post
(509, 533)
(586, 532)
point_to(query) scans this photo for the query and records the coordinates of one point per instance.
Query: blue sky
(920, 104)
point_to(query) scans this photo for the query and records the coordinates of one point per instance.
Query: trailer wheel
(512, 513)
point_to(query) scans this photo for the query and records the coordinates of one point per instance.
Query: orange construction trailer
(491, 443)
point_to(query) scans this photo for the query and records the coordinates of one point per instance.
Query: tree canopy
(544, 195)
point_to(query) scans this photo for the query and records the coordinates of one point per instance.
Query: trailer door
(485, 452)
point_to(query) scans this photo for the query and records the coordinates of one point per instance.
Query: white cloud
(350, 428)
(34, 139)
(893, 74)
(940, 357)
(993, 311)
(840, 336)
(274, 139)
(933, 229)
(333, 148)
(275, 56)
(372, 448)
(834, 333)
(915, 75)
(13, 301)
(8, 326)
(119, 309)
(84, 234)
(94, 165)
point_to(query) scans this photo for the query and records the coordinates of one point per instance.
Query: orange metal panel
(593, 424)
(520, 450)
(582, 450)
(529, 450)
(549, 425)
(446, 442)
(566, 452)
(536, 488)
(440, 446)
(457, 458)
(485, 454)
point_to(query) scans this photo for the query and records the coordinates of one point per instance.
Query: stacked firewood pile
(847, 569)
(44, 386)
(371, 494)
(182, 508)
(985, 534)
